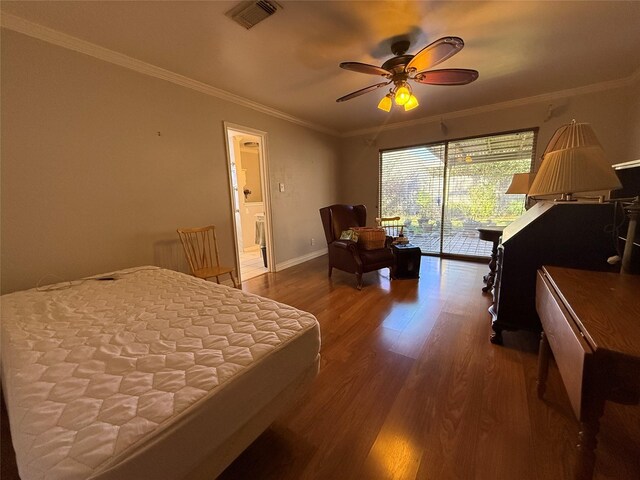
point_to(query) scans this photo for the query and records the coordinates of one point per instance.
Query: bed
(147, 373)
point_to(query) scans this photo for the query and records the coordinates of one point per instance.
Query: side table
(491, 234)
(590, 325)
(407, 261)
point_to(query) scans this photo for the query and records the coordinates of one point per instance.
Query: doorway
(248, 177)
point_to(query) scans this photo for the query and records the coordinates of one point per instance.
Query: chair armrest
(346, 245)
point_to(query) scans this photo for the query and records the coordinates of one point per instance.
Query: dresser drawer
(569, 347)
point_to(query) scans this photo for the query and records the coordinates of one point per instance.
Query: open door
(250, 200)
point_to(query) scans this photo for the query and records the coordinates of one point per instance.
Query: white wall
(88, 184)
(609, 112)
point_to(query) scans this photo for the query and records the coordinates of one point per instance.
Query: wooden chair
(392, 225)
(201, 249)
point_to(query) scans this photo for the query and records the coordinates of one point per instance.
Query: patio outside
(460, 243)
(451, 197)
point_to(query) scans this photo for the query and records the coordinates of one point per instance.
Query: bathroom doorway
(246, 154)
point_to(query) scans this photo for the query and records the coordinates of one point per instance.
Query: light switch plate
(281, 187)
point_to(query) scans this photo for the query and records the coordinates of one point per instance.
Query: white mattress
(145, 375)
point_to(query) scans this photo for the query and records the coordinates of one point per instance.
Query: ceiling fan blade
(435, 53)
(447, 76)
(357, 93)
(364, 68)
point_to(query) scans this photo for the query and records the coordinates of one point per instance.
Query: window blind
(444, 191)
(411, 187)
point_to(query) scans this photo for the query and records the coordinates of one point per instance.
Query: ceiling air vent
(251, 13)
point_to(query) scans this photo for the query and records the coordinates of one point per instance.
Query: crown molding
(545, 97)
(55, 37)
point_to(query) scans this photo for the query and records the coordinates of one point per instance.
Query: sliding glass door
(444, 191)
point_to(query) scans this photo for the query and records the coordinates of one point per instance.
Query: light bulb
(402, 95)
(385, 103)
(411, 103)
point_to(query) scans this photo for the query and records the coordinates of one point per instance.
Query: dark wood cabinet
(571, 234)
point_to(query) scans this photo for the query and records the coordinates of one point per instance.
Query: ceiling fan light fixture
(403, 94)
(403, 69)
(386, 103)
(411, 103)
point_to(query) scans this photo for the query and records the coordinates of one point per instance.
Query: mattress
(146, 373)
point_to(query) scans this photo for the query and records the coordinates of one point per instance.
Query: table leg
(496, 335)
(592, 410)
(587, 443)
(489, 278)
(543, 364)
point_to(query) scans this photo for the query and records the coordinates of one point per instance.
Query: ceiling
(289, 62)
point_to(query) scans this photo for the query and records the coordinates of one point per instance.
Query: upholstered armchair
(347, 255)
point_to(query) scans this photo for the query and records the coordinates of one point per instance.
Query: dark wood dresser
(573, 234)
(591, 324)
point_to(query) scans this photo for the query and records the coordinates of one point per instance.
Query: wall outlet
(281, 187)
(313, 241)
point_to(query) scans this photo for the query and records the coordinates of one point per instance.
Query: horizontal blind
(479, 171)
(442, 212)
(411, 187)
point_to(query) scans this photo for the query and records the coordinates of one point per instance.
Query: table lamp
(574, 162)
(520, 184)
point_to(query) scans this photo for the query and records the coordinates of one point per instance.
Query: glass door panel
(478, 173)
(411, 188)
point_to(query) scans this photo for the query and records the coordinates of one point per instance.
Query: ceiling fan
(402, 68)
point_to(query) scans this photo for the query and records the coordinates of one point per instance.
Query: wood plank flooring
(411, 388)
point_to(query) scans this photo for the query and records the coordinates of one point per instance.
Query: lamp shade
(573, 170)
(520, 183)
(402, 95)
(385, 103)
(411, 103)
(572, 135)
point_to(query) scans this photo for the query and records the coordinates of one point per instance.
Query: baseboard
(299, 260)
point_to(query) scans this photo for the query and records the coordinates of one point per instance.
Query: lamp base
(566, 197)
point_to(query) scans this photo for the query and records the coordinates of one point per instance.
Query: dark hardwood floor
(411, 388)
